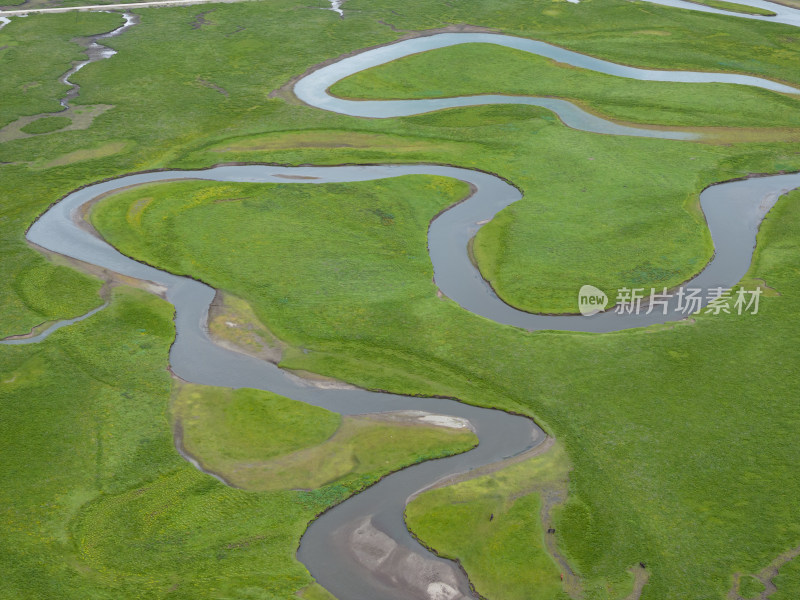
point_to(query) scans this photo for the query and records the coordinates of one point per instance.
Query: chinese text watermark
(688, 301)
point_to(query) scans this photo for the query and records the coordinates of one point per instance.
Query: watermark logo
(591, 300)
(688, 301)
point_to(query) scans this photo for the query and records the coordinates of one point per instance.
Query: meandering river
(361, 549)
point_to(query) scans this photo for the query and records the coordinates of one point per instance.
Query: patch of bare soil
(110, 278)
(298, 177)
(200, 19)
(233, 326)
(765, 576)
(212, 86)
(421, 577)
(81, 116)
(789, 3)
(419, 417)
(640, 577)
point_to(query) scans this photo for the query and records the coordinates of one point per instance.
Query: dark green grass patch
(249, 424)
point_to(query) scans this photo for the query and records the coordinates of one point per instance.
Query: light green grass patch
(43, 291)
(69, 158)
(46, 125)
(262, 441)
(323, 139)
(328, 147)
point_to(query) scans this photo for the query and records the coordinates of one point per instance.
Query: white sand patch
(420, 416)
(441, 591)
(336, 6)
(371, 546)
(446, 421)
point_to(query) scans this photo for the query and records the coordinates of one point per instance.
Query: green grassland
(97, 503)
(31, 63)
(658, 423)
(490, 525)
(264, 442)
(491, 69)
(517, 252)
(681, 439)
(164, 114)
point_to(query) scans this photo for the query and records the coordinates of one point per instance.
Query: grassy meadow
(97, 502)
(681, 439)
(487, 524)
(632, 409)
(260, 441)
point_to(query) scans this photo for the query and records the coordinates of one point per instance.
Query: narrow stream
(361, 549)
(94, 52)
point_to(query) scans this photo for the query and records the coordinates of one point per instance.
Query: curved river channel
(361, 549)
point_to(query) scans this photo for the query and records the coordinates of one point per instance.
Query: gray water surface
(48, 331)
